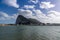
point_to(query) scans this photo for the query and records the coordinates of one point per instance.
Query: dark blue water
(29, 32)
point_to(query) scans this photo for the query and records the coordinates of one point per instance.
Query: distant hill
(24, 21)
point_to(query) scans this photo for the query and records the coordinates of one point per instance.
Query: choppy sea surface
(29, 32)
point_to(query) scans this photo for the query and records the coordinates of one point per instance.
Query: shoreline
(29, 25)
(7, 24)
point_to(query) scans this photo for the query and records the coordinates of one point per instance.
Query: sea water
(29, 32)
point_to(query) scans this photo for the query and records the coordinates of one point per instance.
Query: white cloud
(38, 13)
(51, 17)
(25, 13)
(5, 16)
(12, 3)
(54, 13)
(14, 16)
(34, 1)
(29, 14)
(29, 6)
(40, 16)
(55, 16)
(46, 5)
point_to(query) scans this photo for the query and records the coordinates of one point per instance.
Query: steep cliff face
(24, 21)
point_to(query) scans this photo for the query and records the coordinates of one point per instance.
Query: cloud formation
(5, 16)
(29, 14)
(55, 16)
(25, 13)
(34, 1)
(12, 3)
(51, 17)
(46, 5)
(29, 6)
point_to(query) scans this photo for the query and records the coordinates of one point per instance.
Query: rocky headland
(21, 20)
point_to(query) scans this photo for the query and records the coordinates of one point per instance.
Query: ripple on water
(30, 33)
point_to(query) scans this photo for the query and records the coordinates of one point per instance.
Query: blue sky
(46, 11)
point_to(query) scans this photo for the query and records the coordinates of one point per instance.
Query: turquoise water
(30, 33)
